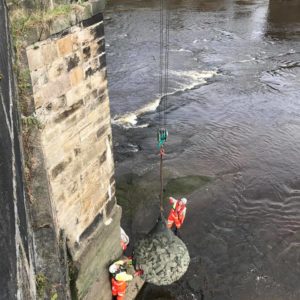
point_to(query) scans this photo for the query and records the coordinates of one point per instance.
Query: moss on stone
(41, 284)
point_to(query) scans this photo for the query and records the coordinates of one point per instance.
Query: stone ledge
(98, 253)
(101, 223)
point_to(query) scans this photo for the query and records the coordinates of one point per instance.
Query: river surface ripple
(234, 113)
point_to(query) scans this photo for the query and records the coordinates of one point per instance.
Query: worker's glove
(138, 273)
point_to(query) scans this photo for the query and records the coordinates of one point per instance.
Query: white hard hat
(184, 200)
(113, 268)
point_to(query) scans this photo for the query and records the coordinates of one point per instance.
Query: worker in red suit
(120, 277)
(177, 213)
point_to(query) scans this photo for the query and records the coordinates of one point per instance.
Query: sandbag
(162, 256)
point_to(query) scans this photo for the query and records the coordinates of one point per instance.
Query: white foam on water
(182, 50)
(189, 79)
(130, 119)
(247, 60)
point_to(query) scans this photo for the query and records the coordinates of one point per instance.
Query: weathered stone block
(98, 30)
(39, 77)
(101, 46)
(102, 157)
(60, 167)
(69, 145)
(76, 93)
(65, 114)
(50, 133)
(102, 131)
(73, 61)
(87, 133)
(76, 76)
(35, 57)
(84, 38)
(94, 115)
(102, 61)
(49, 52)
(75, 169)
(65, 45)
(90, 229)
(56, 88)
(59, 103)
(86, 52)
(57, 68)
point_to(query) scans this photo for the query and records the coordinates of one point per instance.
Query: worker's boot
(177, 233)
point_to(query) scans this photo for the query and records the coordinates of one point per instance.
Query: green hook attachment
(162, 135)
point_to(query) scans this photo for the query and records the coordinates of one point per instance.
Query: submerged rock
(162, 256)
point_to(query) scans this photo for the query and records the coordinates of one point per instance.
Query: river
(234, 114)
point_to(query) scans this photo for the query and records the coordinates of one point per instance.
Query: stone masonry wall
(68, 74)
(66, 131)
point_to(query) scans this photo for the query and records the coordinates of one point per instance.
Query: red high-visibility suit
(118, 288)
(177, 213)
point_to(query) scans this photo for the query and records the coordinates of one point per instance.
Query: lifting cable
(162, 132)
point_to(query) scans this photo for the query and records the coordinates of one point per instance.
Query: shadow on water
(283, 18)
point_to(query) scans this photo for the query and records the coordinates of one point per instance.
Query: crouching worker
(177, 213)
(120, 277)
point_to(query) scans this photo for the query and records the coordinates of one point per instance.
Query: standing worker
(177, 213)
(120, 277)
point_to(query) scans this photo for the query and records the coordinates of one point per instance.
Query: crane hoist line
(162, 256)
(162, 132)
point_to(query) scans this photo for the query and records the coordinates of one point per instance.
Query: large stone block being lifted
(162, 256)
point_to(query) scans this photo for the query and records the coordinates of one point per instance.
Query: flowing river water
(234, 114)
